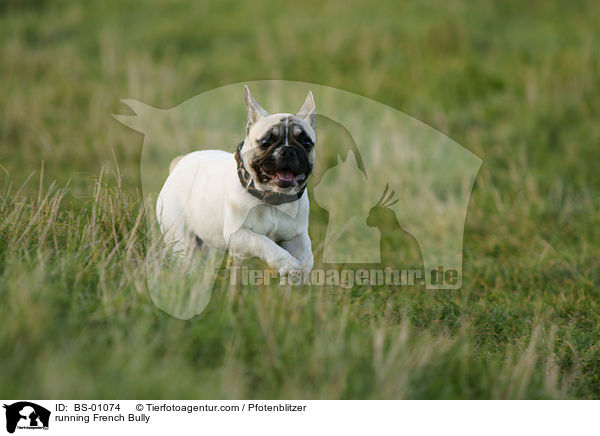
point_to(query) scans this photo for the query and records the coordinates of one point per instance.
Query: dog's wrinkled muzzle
(286, 176)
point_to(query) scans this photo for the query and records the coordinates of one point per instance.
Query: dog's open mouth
(285, 178)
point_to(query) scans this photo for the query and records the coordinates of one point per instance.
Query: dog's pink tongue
(286, 175)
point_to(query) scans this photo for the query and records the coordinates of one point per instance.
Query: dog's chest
(273, 223)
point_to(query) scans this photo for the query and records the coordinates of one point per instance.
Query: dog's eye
(305, 140)
(265, 142)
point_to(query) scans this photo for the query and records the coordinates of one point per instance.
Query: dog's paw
(287, 266)
(291, 268)
(295, 277)
(297, 274)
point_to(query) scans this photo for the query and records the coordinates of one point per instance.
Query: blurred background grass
(517, 83)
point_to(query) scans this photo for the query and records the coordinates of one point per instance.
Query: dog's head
(279, 149)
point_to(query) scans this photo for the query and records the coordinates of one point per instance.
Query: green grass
(517, 83)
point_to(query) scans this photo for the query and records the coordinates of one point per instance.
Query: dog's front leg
(300, 248)
(246, 243)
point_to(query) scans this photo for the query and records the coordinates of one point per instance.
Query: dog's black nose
(288, 153)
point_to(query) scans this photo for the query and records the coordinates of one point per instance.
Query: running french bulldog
(252, 203)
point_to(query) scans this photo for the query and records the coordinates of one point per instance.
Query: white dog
(253, 202)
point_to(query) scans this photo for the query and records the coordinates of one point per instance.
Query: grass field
(517, 83)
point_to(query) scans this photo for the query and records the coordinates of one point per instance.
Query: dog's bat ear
(308, 111)
(255, 111)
